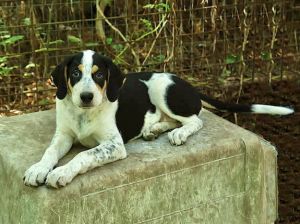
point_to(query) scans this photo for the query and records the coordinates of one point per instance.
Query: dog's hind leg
(156, 123)
(149, 120)
(190, 125)
(164, 126)
(158, 128)
(179, 101)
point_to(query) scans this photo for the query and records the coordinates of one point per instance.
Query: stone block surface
(223, 174)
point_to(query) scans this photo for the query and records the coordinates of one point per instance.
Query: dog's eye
(76, 73)
(98, 76)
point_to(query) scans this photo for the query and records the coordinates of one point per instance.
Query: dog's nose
(86, 97)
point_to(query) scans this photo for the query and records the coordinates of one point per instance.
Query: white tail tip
(275, 110)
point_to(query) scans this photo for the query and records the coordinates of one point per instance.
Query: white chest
(88, 126)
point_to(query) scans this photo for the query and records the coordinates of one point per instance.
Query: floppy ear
(59, 77)
(115, 80)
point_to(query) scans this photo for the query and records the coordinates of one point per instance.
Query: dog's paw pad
(177, 136)
(59, 177)
(36, 174)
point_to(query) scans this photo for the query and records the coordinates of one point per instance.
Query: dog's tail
(240, 108)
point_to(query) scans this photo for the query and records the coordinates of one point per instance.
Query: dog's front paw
(60, 177)
(178, 136)
(36, 174)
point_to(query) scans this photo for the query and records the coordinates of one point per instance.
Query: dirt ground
(284, 133)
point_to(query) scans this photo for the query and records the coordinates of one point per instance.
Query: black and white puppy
(102, 109)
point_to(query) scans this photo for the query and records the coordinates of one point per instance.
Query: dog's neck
(85, 123)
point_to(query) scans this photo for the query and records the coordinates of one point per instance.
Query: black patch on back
(182, 98)
(185, 100)
(134, 102)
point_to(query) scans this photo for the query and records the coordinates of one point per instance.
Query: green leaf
(265, 56)
(117, 47)
(91, 44)
(12, 40)
(4, 71)
(160, 6)
(5, 36)
(74, 40)
(160, 58)
(157, 59)
(147, 24)
(163, 6)
(3, 59)
(56, 42)
(109, 40)
(231, 59)
(27, 21)
(149, 6)
(225, 73)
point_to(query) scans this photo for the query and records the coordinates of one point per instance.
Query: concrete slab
(223, 174)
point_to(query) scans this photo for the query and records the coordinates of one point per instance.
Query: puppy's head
(89, 78)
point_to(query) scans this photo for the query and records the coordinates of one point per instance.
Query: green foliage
(224, 75)
(3, 59)
(231, 59)
(4, 34)
(165, 7)
(118, 48)
(11, 40)
(7, 40)
(91, 44)
(265, 56)
(158, 59)
(147, 24)
(74, 40)
(56, 42)
(4, 69)
(145, 29)
(27, 21)
(109, 40)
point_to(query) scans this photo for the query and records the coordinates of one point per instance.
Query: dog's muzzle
(86, 99)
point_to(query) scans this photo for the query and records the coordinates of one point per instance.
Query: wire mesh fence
(214, 41)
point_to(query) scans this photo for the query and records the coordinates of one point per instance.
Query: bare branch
(136, 57)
